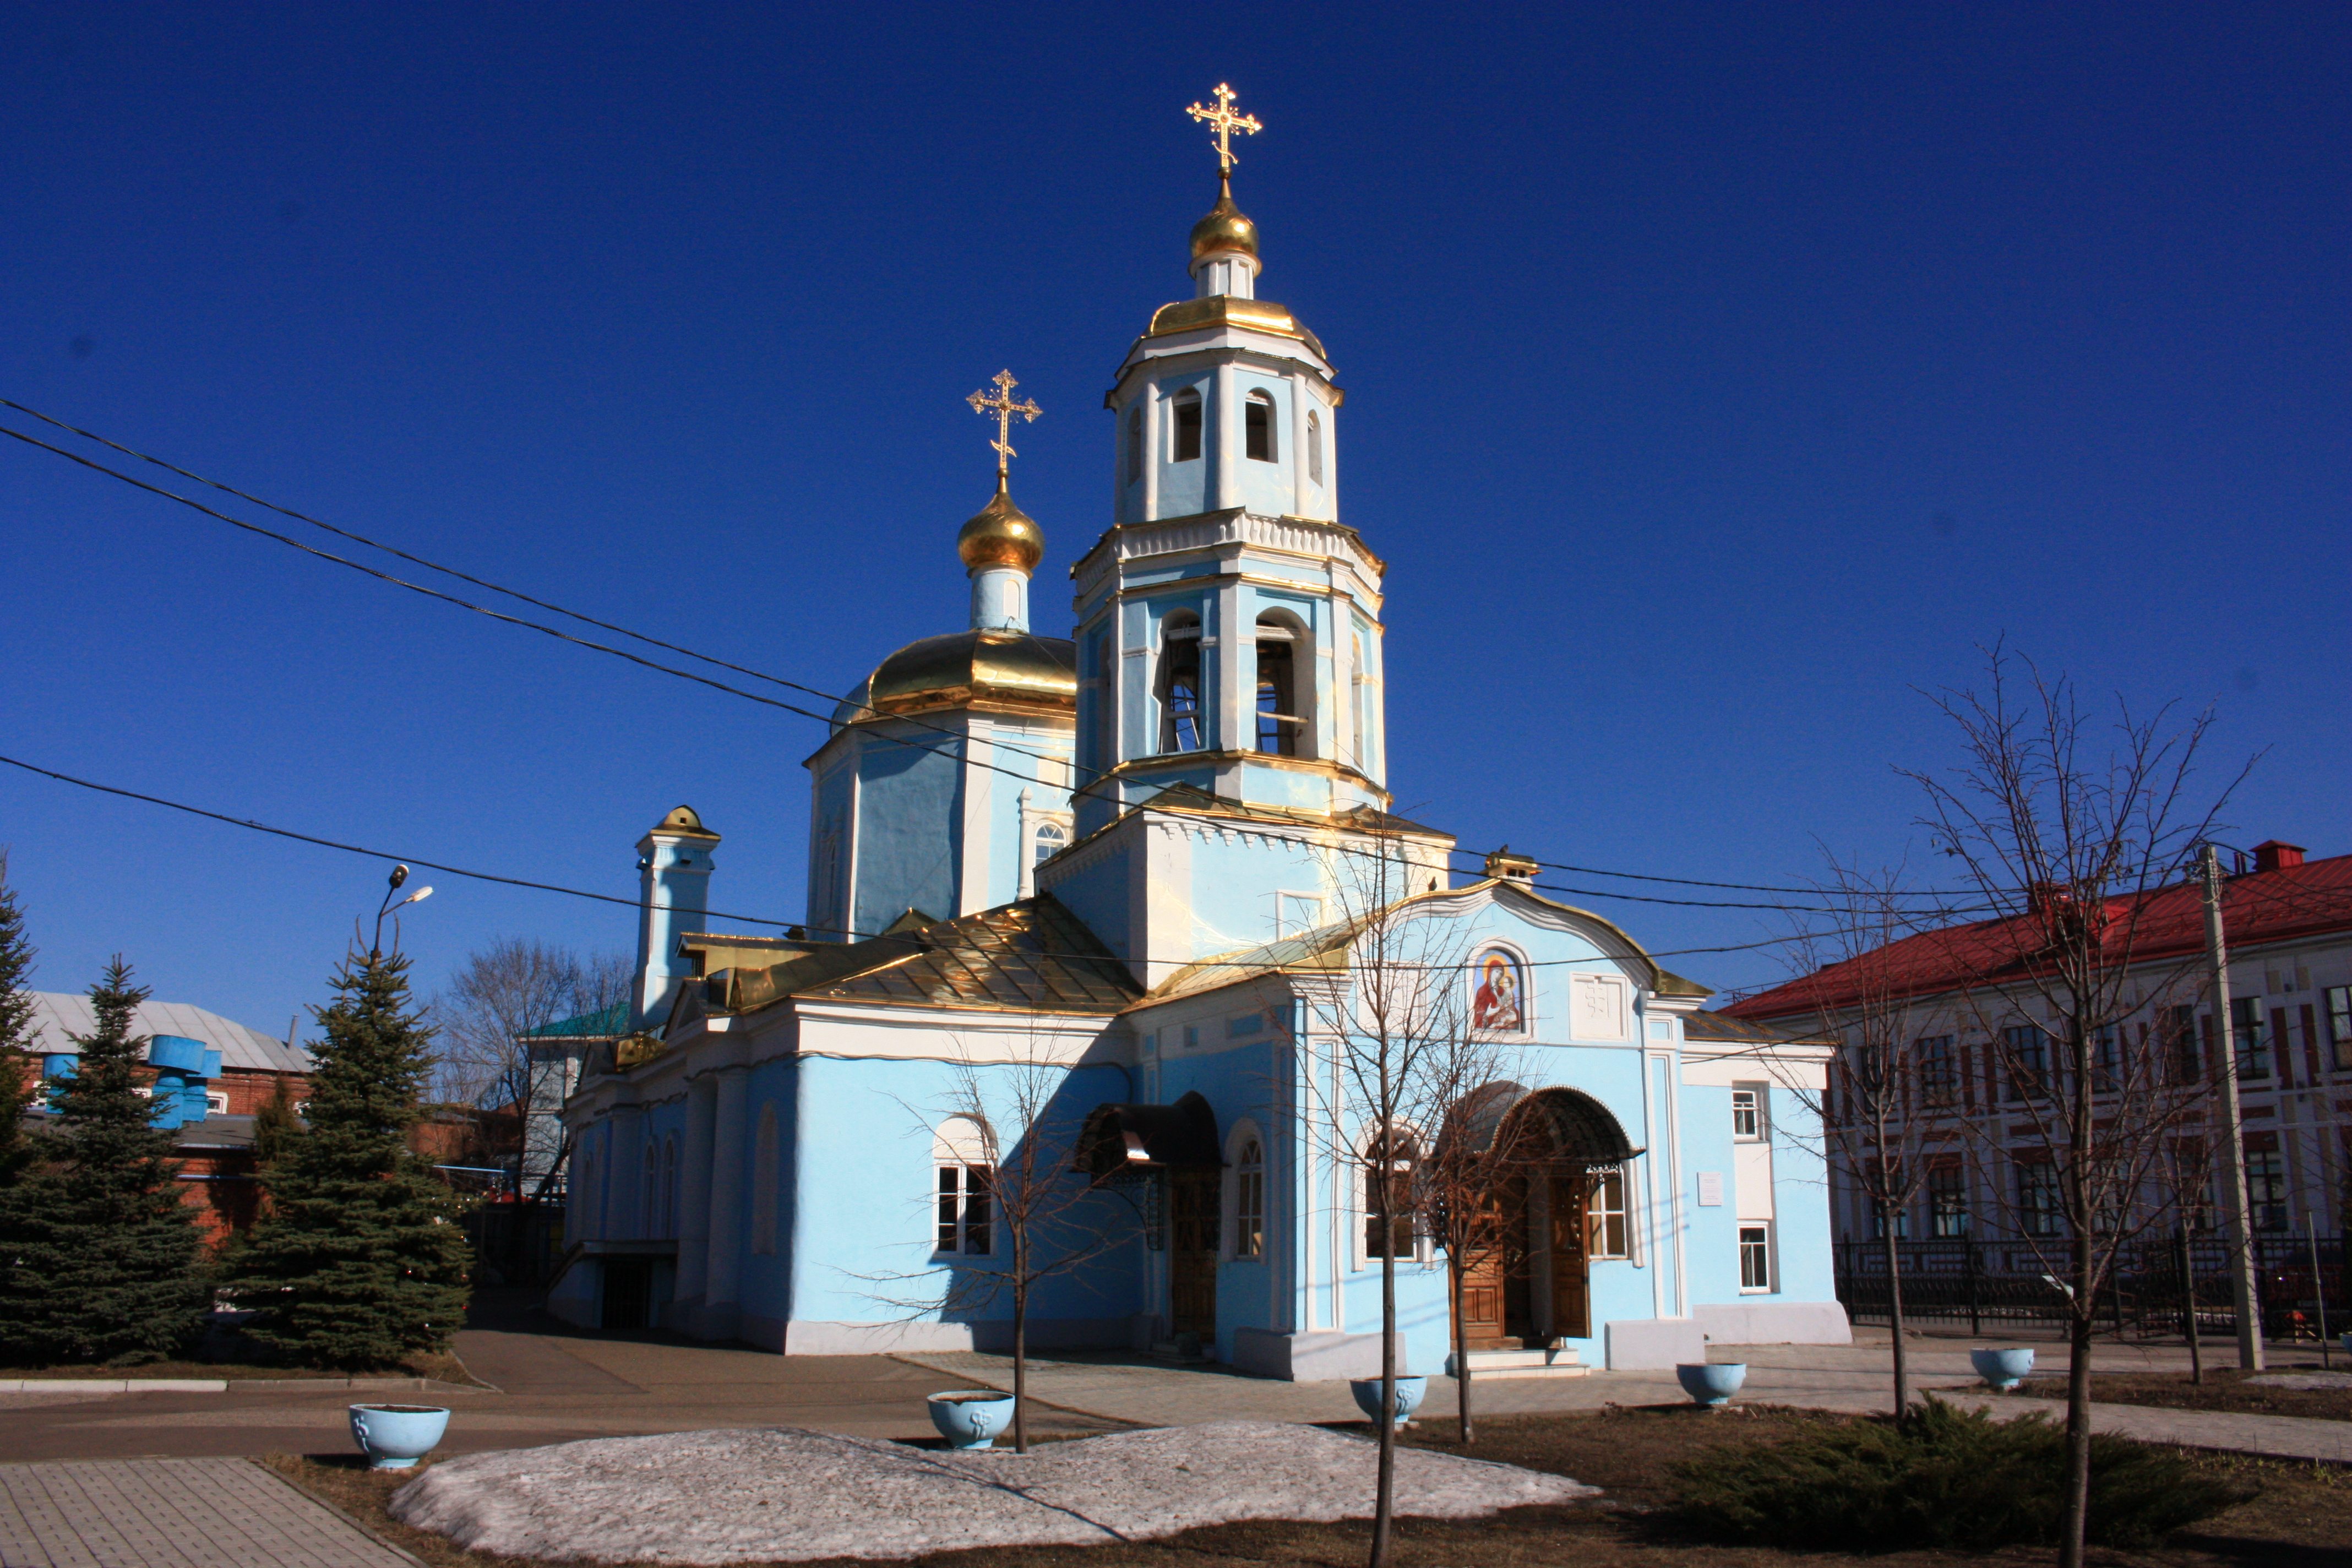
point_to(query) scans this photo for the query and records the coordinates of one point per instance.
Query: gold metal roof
(996, 669)
(1229, 310)
(1225, 227)
(1001, 535)
(684, 822)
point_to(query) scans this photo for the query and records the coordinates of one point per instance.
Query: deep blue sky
(1718, 378)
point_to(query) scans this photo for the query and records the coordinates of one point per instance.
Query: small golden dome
(1002, 535)
(1226, 229)
(1003, 670)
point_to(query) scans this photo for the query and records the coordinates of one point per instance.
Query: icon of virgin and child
(1497, 1004)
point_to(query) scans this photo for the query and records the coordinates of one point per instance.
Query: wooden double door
(1526, 1282)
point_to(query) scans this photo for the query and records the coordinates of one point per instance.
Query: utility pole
(2242, 1295)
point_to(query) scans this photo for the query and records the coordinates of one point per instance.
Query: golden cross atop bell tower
(1223, 122)
(1004, 408)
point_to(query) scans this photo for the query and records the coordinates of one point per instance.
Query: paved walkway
(1853, 1378)
(174, 1513)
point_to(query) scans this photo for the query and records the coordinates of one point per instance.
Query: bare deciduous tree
(1383, 1041)
(2067, 834)
(1890, 1109)
(499, 999)
(1044, 1220)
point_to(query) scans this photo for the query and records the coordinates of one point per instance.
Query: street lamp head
(418, 897)
(399, 875)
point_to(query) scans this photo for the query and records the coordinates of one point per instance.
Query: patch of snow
(2303, 1379)
(782, 1493)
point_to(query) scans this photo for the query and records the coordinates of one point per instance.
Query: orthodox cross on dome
(1004, 408)
(1223, 122)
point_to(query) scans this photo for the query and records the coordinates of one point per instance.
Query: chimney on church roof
(1509, 868)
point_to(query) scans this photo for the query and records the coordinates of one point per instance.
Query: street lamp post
(399, 877)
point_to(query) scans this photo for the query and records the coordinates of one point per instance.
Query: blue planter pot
(2004, 1369)
(394, 1437)
(1408, 1395)
(971, 1417)
(1711, 1383)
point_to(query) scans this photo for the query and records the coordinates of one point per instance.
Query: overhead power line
(536, 885)
(714, 684)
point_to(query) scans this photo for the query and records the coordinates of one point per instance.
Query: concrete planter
(394, 1437)
(971, 1417)
(1410, 1392)
(1711, 1383)
(2004, 1369)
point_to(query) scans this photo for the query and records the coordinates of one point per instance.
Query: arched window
(1249, 1202)
(649, 1193)
(1135, 442)
(1258, 427)
(1284, 727)
(1051, 836)
(1390, 1158)
(964, 1162)
(1185, 426)
(1180, 682)
(1315, 448)
(764, 1176)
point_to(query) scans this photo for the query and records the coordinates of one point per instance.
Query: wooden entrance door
(1571, 1311)
(1192, 1224)
(1495, 1295)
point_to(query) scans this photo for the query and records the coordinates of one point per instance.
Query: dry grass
(2224, 1388)
(2300, 1519)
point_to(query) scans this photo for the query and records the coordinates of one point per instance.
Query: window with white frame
(1296, 913)
(2339, 1025)
(1747, 1124)
(1249, 1202)
(1755, 1258)
(964, 1194)
(216, 1103)
(1051, 839)
(1604, 1215)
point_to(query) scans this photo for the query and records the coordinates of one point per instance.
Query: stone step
(1561, 1363)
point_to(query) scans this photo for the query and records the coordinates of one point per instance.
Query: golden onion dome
(1002, 670)
(1002, 535)
(1226, 227)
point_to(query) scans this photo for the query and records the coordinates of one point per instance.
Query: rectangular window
(2038, 1210)
(1939, 1071)
(1187, 423)
(2107, 1059)
(1604, 1215)
(2028, 1050)
(1747, 1115)
(1878, 1223)
(1315, 448)
(2179, 1027)
(2339, 1026)
(1135, 443)
(2247, 1034)
(1948, 1202)
(1756, 1258)
(966, 1225)
(2266, 1189)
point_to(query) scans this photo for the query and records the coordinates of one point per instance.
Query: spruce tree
(360, 1261)
(102, 1253)
(20, 1074)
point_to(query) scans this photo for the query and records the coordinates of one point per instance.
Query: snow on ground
(783, 1493)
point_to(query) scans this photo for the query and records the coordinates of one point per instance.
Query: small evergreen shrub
(1947, 1478)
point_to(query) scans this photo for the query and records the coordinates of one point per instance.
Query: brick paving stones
(174, 1513)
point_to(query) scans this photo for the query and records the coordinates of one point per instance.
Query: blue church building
(1124, 913)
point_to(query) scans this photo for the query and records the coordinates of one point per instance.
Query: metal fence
(2003, 1281)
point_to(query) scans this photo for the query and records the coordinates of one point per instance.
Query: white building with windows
(1135, 856)
(1979, 1048)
